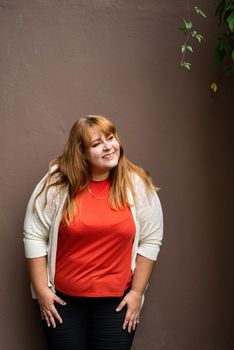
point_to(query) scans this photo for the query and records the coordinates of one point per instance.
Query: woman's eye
(95, 144)
(110, 137)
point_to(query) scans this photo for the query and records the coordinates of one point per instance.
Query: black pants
(89, 324)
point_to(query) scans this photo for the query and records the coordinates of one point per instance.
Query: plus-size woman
(92, 232)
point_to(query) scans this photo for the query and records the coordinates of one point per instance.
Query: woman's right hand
(46, 299)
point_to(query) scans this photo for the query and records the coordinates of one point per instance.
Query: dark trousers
(89, 324)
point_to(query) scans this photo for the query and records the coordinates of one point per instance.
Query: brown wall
(62, 59)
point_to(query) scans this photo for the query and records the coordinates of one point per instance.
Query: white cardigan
(41, 226)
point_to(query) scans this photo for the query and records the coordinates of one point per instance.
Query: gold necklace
(94, 196)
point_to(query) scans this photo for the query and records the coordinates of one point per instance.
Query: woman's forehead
(96, 133)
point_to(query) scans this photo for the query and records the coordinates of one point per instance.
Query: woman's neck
(100, 177)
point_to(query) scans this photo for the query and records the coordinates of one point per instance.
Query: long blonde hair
(72, 171)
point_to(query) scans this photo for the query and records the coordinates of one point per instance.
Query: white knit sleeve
(150, 217)
(37, 222)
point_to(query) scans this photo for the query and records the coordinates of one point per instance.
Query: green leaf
(200, 12)
(230, 21)
(220, 10)
(185, 47)
(186, 65)
(199, 37)
(214, 87)
(226, 11)
(188, 25)
(220, 7)
(229, 6)
(189, 47)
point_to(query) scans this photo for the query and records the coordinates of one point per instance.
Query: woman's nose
(106, 144)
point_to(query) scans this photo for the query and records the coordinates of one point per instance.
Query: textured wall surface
(60, 59)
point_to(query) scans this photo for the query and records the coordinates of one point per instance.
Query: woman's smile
(109, 156)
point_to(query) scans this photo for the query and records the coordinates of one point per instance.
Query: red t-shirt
(94, 252)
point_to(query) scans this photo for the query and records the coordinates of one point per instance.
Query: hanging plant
(224, 52)
(190, 34)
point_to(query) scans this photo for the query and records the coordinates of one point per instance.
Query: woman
(92, 232)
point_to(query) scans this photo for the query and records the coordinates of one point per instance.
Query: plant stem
(188, 32)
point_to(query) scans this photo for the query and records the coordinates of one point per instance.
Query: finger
(121, 305)
(134, 325)
(56, 315)
(47, 320)
(130, 325)
(51, 319)
(134, 320)
(126, 320)
(125, 323)
(59, 300)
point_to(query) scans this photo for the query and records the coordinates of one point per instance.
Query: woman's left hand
(133, 302)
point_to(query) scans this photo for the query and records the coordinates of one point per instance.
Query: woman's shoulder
(138, 182)
(47, 191)
(145, 195)
(136, 179)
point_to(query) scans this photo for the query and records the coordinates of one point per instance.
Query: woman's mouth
(109, 156)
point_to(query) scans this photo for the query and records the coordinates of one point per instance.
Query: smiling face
(102, 154)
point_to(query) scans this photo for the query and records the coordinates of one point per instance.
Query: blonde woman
(92, 232)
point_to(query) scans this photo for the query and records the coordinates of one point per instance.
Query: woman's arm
(37, 225)
(133, 299)
(37, 268)
(150, 217)
(142, 274)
